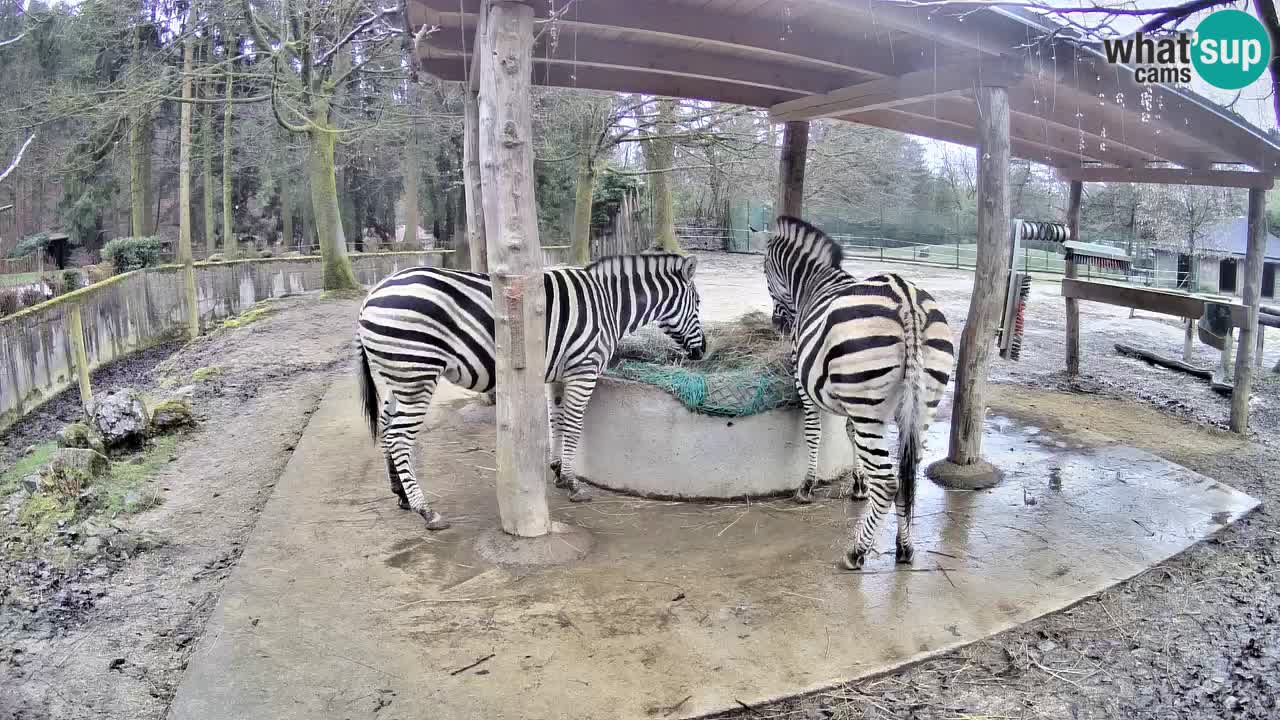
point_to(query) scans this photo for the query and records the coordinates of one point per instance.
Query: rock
(265, 254)
(216, 257)
(80, 435)
(170, 415)
(31, 483)
(91, 545)
(73, 469)
(121, 418)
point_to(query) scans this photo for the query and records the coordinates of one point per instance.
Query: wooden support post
(1251, 297)
(1226, 358)
(1069, 269)
(795, 147)
(471, 185)
(506, 171)
(1262, 342)
(964, 466)
(75, 332)
(1188, 340)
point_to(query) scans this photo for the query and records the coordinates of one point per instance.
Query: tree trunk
(989, 277)
(660, 155)
(230, 245)
(409, 165)
(184, 193)
(286, 216)
(506, 153)
(478, 251)
(1251, 296)
(324, 202)
(795, 148)
(140, 198)
(210, 232)
(580, 237)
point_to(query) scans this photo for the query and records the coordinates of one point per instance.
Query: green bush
(71, 280)
(132, 253)
(30, 245)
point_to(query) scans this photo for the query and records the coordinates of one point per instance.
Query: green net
(745, 371)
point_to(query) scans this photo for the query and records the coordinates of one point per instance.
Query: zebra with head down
(422, 324)
(873, 350)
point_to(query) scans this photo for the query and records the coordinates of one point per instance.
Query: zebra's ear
(690, 266)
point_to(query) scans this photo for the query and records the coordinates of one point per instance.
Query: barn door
(1227, 277)
(1269, 280)
(1184, 270)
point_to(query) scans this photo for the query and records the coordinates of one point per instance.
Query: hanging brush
(1011, 347)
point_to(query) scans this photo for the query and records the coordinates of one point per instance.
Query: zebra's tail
(369, 393)
(913, 412)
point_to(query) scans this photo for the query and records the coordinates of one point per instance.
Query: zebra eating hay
(424, 323)
(871, 350)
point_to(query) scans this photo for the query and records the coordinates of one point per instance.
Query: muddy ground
(1195, 637)
(109, 637)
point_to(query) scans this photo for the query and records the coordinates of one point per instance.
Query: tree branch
(13, 40)
(359, 28)
(18, 159)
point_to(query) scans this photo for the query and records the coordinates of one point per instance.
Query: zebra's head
(796, 252)
(679, 317)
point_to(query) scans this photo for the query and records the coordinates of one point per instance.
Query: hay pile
(745, 371)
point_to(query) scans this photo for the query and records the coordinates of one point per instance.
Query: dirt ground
(1196, 637)
(110, 638)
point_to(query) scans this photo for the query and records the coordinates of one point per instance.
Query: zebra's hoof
(803, 496)
(555, 468)
(404, 504)
(561, 481)
(579, 495)
(435, 521)
(854, 558)
(905, 554)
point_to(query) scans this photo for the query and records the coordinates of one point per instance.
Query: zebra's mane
(658, 260)
(808, 241)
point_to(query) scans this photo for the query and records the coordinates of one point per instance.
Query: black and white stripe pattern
(422, 324)
(870, 350)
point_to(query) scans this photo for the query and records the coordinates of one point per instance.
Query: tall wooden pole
(184, 195)
(506, 171)
(471, 185)
(795, 146)
(1073, 305)
(988, 291)
(1251, 296)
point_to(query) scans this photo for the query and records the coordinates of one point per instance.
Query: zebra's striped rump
(422, 324)
(873, 351)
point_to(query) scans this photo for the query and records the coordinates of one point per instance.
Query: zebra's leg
(812, 438)
(388, 408)
(577, 393)
(882, 487)
(555, 419)
(857, 487)
(904, 552)
(397, 441)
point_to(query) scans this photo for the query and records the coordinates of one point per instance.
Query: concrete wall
(137, 310)
(639, 439)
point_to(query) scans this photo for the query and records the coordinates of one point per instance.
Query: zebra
(870, 350)
(424, 323)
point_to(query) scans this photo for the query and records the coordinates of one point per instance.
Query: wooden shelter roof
(878, 63)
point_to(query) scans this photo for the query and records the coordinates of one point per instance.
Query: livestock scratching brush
(1015, 315)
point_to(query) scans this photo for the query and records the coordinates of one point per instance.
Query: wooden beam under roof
(897, 90)
(960, 134)
(625, 53)
(757, 40)
(1169, 176)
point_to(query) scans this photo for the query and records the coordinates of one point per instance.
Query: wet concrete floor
(344, 606)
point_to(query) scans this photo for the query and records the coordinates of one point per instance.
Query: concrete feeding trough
(639, 439)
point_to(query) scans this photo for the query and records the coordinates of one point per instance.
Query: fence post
(75, 331)
(957, 252)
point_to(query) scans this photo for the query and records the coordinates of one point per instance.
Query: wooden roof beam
(961, 134)
(1169, 176)
(624, 54)
(913, 87)
(754, 38)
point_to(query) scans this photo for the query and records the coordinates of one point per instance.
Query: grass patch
(206, 373)
(253, 314)
(43, 512)
(14, 279)
(26, 465)
(118, 491)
